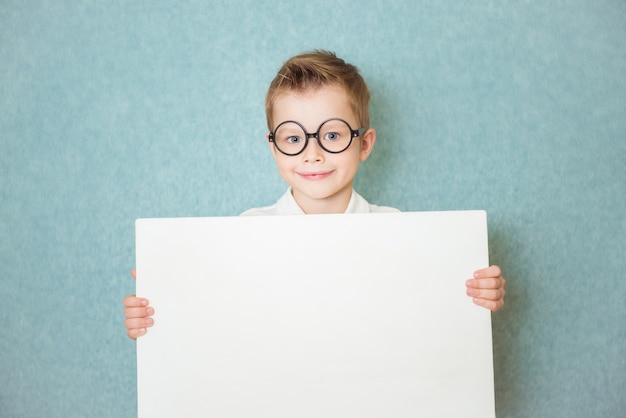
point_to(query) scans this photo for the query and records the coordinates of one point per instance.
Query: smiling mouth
(315, 176)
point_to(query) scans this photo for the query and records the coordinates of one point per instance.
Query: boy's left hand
(487, 288)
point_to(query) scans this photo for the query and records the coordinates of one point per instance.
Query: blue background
(110, 111)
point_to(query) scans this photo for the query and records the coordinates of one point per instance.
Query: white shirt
(287, 205)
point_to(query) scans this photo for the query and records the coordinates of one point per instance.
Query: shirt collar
(287, 205)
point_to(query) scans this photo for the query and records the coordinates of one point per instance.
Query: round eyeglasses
(334, 135)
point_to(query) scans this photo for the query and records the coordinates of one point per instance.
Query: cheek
(353, 159)
(282, 163)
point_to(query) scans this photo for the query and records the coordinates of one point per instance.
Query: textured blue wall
(155, 109)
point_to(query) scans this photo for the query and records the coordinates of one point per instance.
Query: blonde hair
(316, 69)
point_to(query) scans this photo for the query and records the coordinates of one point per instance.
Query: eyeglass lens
(333, 135)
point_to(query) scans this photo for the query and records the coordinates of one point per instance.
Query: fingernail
(150, 311)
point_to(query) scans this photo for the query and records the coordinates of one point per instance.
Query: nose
(313, 152)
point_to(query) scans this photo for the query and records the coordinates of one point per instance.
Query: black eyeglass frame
(353, 134)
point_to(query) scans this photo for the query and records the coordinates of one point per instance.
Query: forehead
(311, 107)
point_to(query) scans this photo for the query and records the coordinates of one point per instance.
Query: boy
(318, 121)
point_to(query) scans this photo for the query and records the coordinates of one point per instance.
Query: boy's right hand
(138, 314)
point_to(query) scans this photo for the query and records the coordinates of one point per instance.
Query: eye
(293, 139)
(331, 136)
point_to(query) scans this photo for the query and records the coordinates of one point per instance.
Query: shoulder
(358, 204)
(382, 209)
(262, 211)
(286, 205)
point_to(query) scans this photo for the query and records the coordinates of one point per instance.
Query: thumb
(133, 273)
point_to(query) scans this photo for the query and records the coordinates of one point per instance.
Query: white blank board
(351, 315)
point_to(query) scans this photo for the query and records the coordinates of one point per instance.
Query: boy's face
(321, 181)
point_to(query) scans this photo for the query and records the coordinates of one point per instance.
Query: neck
(338, 203)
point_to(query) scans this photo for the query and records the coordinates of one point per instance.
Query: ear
(368, 139)
(270, 144)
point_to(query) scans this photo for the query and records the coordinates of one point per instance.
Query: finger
(487, 283)
(137, 323)
(492, 271)
(136, 333)
(138, 312)
(488, 294)
(492, 305)
(133, 273)
(132, 301)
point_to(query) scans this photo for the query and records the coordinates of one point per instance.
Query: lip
(314, 176)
